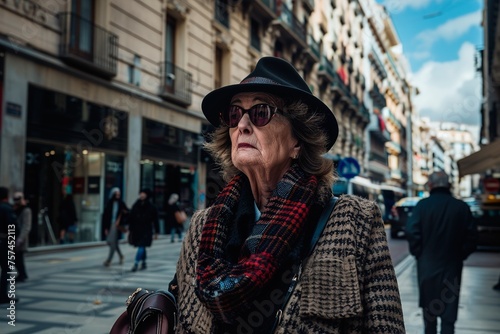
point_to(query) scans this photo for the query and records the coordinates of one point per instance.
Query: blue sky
(440, 39)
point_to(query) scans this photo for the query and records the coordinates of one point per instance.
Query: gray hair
(438, 180)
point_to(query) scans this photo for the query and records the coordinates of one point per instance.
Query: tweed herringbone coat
(347, 285)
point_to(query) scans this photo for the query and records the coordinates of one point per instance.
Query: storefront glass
(68, 156)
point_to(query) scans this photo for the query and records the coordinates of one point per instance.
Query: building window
(222, 12)
(255, 34)
(134, 71)
(82, 25)
(218, 68)
(170, 54)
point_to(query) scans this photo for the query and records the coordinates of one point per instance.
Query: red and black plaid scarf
(227, 288)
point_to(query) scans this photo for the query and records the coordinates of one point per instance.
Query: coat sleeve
(380, 293)
(413, 231)
(469, 244)
(26, 225)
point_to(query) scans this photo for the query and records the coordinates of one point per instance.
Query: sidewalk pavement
(70, 291)
(479, 304)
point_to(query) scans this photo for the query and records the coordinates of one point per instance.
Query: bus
(383, 194)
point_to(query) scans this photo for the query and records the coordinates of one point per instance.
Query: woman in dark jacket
(113, 217)
(143, 223)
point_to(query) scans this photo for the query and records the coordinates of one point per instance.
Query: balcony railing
(364, 113)
(293, 28)
(176, 84)
(315, 48)
(326, 70)
(222, 12)
(88, 46)
(313, 51)
(378, 156)
(377, 64)
(265, 10)
(377, 97)
(339, 86)
(310, 4)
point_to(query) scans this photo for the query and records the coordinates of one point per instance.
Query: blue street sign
(349, 168)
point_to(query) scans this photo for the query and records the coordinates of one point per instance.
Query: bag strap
(314, 240)
(322, 222)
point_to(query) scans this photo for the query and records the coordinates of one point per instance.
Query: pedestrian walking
(8, 231)
(23, 213)
(67, 219)
(113, 221)
(143, 224)
(174, 226)
(276, 219)
(441, 234)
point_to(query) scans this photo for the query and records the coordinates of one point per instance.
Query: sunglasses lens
(233, 116)
(260, 114)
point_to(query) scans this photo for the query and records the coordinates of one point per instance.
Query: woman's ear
(296, 151)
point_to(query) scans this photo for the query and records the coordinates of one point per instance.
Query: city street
(70, 291)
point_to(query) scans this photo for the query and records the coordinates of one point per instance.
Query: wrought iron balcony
(326, 72)
(313, 52)
(176, 84)
(265, 10)
(378, 128)
(378, 156)
(85, 45)
(340, 89)
(364, 113)
(290, 26)
(309, 4)
(377, 97)
(222, 12)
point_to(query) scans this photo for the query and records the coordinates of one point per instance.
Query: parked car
(487, 218)
(400, 212)
(475, 206)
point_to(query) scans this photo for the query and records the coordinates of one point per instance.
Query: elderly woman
(241, 255)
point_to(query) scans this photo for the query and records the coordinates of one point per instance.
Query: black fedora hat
(276, 76)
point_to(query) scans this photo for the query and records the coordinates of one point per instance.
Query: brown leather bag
(148, 312)
(180, 217)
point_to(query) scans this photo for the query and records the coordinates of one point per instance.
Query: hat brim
(214, 101)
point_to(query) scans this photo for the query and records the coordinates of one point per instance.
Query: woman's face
(268, 149)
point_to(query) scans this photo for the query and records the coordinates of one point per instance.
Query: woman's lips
(244, 145)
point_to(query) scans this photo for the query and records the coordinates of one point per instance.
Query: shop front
(169, 164)
(75, 153)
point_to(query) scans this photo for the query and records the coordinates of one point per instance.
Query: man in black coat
(441, 235)
(143, 224)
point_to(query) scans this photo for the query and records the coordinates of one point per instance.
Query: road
(70, 291)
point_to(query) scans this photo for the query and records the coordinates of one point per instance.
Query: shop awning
(486, 158)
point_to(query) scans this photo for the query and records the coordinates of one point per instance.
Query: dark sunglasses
(260, 114)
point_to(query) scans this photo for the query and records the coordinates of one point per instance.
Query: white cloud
(450, 91)
(450, 30)
(396, 6)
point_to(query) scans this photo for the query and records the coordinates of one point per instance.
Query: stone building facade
(98, 94)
